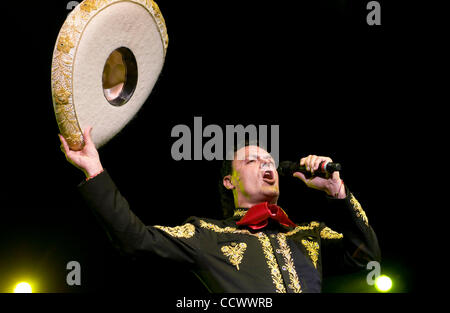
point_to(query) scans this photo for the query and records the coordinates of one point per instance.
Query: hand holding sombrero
(107, 59)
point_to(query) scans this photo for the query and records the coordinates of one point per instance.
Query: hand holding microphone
(325, 168)
(316, 172)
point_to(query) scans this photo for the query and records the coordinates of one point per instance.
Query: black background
(335, 85)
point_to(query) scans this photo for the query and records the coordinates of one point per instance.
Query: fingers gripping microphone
(288, 168)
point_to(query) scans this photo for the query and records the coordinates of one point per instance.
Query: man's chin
(271, 193)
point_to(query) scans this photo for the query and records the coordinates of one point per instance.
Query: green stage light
(383, 283)
(23, 287)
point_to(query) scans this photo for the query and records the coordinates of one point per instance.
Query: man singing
(258, 248)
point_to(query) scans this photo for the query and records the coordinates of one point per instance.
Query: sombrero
(106, 61)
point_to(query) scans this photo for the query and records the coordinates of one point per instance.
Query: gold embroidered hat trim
(64, 54)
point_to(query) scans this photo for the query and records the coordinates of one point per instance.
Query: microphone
(287, 168)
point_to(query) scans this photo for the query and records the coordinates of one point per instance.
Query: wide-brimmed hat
(107, 59)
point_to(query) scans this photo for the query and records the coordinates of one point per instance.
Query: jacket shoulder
(310, 228)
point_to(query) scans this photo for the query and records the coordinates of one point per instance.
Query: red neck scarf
(258, 216)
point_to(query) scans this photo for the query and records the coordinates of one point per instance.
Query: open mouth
(269, 177)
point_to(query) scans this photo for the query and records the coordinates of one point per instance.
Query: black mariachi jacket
(230, 258)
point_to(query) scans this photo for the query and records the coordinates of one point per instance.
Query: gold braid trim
(310, 226)
(239, 212)
(358, 209)
(266, 246)
(328, 233)
(185, 231)
(219, 229)
(286, 252)
(235, 253)
(313, 250)
(272, 263)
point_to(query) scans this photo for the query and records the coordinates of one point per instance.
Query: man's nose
(264, 163)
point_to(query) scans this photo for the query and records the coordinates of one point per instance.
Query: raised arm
(123, 227)
(87, 159)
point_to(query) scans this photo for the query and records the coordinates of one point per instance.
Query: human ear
(227, 182)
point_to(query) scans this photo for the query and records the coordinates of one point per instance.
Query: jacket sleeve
(126, 230)
(349, 242)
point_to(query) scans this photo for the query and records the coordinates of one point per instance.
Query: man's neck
(249, 204)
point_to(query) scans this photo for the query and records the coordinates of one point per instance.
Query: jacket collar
(239, 212)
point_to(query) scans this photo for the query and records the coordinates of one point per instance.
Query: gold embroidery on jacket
(239, 212)
(272, 263)
(313, 250)
(328, 233)
(266, 246)
(290, 267)
(235, 253)
(310, 226)
(184, 231)
(359, 211)
(218, 229)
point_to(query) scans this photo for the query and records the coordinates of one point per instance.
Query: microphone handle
(325, 169)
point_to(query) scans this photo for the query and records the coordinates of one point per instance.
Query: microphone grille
(286, 168)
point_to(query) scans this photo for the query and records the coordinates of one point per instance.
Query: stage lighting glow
(383, 283)
(23, 287)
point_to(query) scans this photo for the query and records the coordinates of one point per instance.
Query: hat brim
(91, 32)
